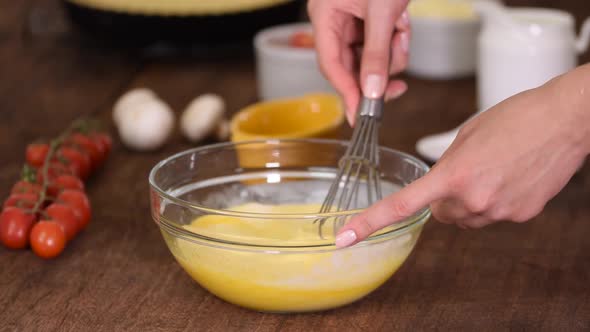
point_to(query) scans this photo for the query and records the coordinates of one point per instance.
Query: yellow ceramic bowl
(310, 116)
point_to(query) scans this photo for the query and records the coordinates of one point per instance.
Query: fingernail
(350, 112)
(350, 118)
(404, 42)
(373, 87)
(345, 239)
(405, 18)
(396, 94)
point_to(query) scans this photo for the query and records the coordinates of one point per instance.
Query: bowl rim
(401, 226)
(433, 21)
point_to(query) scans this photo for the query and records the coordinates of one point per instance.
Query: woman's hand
(341, 26)
(505, 164)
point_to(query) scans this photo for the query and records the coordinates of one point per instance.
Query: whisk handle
(372, 107)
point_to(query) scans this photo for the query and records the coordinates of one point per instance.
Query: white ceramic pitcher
(524, 49)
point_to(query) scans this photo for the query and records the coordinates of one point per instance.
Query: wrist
(571, 96)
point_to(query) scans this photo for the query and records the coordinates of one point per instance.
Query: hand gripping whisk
(359, 167)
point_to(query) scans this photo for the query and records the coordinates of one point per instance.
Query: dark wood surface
(118, 275)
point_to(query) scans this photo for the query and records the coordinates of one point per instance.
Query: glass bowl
(249, 233)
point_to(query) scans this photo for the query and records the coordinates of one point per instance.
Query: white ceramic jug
(524, 49)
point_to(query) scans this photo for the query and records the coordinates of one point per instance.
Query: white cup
(284, 71)
(540, 45)
(444, 39)
(443, 49)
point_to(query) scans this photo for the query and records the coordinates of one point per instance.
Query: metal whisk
(359, 164)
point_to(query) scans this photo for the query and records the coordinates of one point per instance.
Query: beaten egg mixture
(267, 278)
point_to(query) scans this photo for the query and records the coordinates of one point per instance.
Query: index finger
(394, 208)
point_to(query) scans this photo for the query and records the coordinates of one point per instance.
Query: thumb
(380, 20)
(393, 208)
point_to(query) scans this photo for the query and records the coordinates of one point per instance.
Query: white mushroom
(146, 126)
(202, 117)
(130, 100)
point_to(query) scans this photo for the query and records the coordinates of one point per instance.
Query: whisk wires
(359, 166)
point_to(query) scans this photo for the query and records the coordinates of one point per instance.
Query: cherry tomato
(64, 216)
(79, 202)
(76, 157)
(57, 168)
(36, 153)
(105, 140)
(102, 147)
(26, 187)
(25, 201)
(47, 239)
(64, 181)
(302, 40)
(15, 226)
(95, 151)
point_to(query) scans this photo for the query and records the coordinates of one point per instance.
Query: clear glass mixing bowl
(240, 218)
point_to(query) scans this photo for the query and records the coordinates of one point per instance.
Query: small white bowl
(283, 70)
(443, 48)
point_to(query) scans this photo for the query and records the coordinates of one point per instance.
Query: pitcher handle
(584, 39)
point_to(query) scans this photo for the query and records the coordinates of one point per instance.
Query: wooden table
(118, 275)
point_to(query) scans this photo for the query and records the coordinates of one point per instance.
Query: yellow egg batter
(268, 278)
(447, 9)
